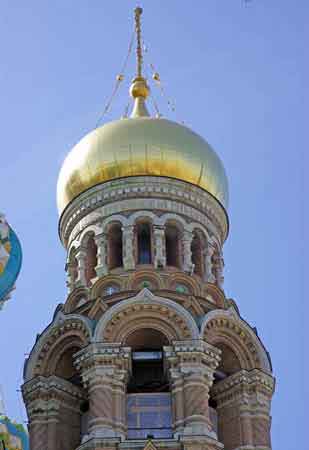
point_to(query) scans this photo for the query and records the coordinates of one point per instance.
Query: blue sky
(236, 72)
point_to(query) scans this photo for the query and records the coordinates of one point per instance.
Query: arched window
(115, 252)
(143, 233)
(65, 369)
(148, 393)
(172, 245)
(197, 251)
(91, 260)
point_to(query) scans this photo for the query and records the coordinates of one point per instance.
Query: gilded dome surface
(141, 146)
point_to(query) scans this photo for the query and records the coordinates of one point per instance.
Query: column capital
(100, 238)
(237, 388)
(196, 353)
(109, 359)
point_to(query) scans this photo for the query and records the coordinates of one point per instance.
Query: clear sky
(236, 71)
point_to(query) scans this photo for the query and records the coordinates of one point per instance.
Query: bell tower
(146, 351)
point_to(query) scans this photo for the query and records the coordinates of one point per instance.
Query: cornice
(133, 188)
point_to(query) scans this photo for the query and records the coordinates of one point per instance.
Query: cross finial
(139, 89)
(138, 12)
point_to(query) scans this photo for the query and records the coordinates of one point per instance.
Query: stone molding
(169, 312)
(101, 354)
(239, 334)
(62, 325)
(253, 377)
(109, 194)
(188, 355)
(44, 396)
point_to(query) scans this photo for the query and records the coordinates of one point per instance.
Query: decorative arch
(170, 217)
(75, 297)
(182, 278)
(197, 226)
(66, 331)
(146, 311)
(225, 327)
(114, 218)
(133, 218)
(214, 294)
(91, 230)
(137, 279)
(99, 286)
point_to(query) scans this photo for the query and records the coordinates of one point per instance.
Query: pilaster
(71, 270)
(191, 368)
(159, 246)
(81, 254)
(243, 407)
(128, 247)
(53, 407)
(208, 263)
(105, 368)
(187, 253)
(101, 242)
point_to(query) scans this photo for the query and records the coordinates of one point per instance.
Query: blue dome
(10, 259)
(13, 435)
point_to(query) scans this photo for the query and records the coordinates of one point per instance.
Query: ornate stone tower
(146, 350)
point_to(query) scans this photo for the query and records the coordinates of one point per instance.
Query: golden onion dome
(141, 145)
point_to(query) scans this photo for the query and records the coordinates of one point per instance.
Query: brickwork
(79, 371)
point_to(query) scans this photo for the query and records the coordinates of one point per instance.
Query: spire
(139, 89)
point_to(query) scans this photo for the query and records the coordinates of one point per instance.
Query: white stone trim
(231, 314)
(144, 296)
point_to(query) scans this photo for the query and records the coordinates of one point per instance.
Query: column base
(200, 443)
(96, 443)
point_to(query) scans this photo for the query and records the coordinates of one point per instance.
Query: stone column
(243, 407)
(53, 407)
(159, 246)
(81, 255)
(104, 368)
(101, 243)
(128, 247)
(178, 413)
(219, 269)
(192, 365)
(186, 248)
(70, 269)
(210, 278)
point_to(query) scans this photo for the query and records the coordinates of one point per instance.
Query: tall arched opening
(115, 246)
(144, 242)
(91, 260)
(198, 247)
(149, 411)
(173, 245)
